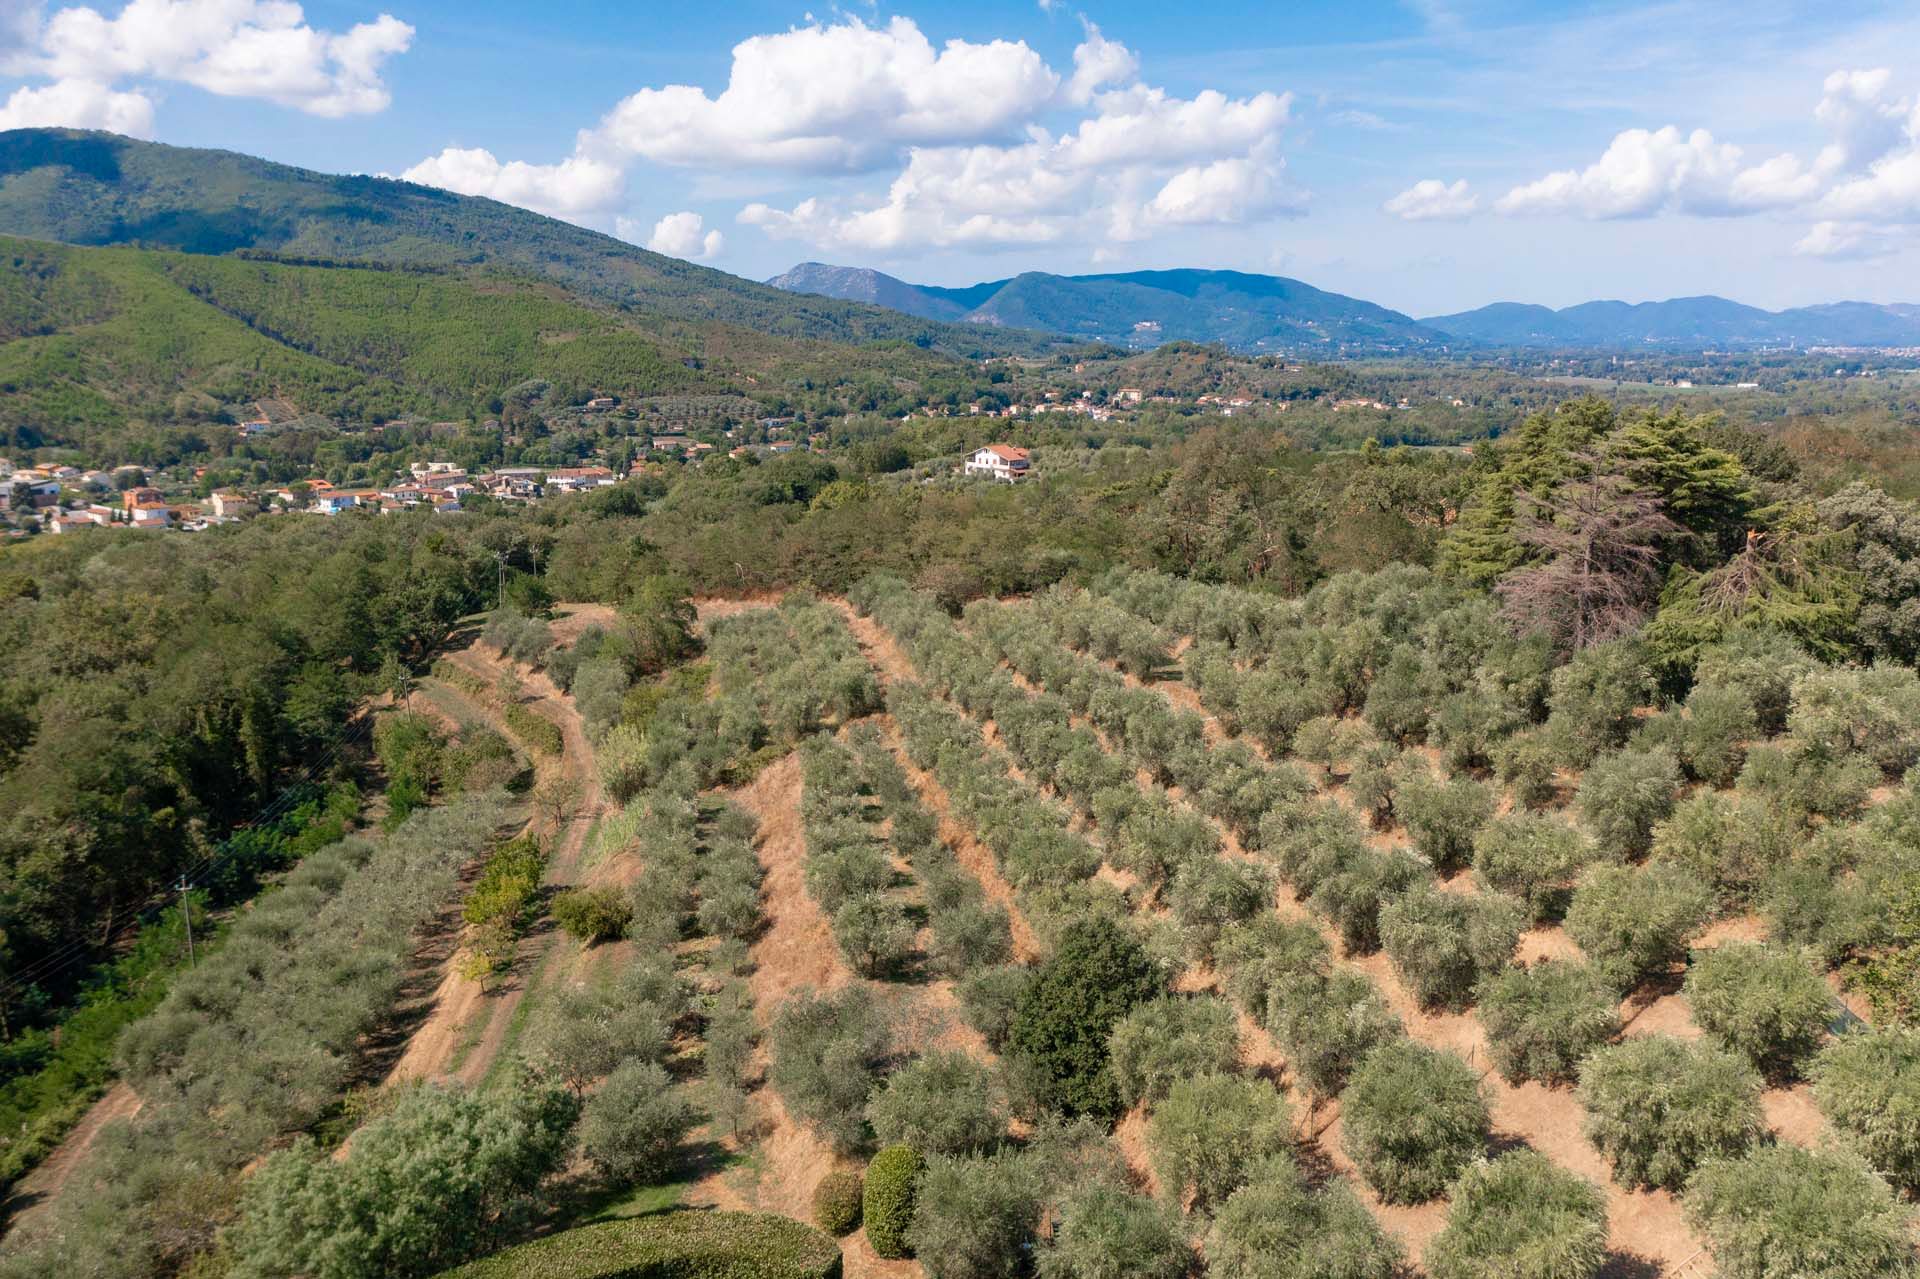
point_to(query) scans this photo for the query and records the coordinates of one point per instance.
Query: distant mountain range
(1265, 312)
(1143, 308)
(1686, 324)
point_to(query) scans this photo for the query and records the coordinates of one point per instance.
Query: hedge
(672, 1245)
(537, 731)
(836, 1201)
(887, 1200)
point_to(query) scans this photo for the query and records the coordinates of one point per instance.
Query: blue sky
(1431, 155)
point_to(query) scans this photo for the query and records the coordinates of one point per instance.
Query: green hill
(99, 189)
(98, 342)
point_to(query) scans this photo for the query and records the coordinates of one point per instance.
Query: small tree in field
(1533, 858)
(974, 1218)
(1172, 1038)
(1521, 1217)
(1442, 817)
(1107, 1232)
(1541, 1021)
(1442, 944)
(632, 1125)
(1784, 1212)
(1328, 1025)
(1623, 796)
(592, 914)
(944, 1103)
(1274, 1227)
(1658, 1107)
(1766, 1003)
(1414, 1118)
(1211, 1131)
(1868, 1086)
(1635, 921)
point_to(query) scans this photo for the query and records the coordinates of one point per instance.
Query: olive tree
(1623, 796)
(944, 1103)
(974, 1218)
(1635, 921)
(1171, 1038)
(1533, 858)
(1210, 1132)
(1327, 1024)
(1520, 1217)
(1785, 1212)
(1766, 1003)
(1274, 1227)
(1868, 1086)
(1543, 1019)
(1414, 1117)
(1107, 1232)
(1659, 1106)
(1443, 944)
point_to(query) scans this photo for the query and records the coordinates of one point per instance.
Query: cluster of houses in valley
(35, 494)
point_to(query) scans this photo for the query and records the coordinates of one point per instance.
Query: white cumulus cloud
(1431, 200)
(841, 97)
(681, 235)
(78, 104)
(1098, 62)
(1647, 172)
(1847, 241)
(1224, 192)
(577, 187)
(263, 49)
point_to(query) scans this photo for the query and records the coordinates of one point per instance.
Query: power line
(75, 951)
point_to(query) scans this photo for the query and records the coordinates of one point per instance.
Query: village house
(575, 479)
(1000, 462)
(150, 515)
(228, 505)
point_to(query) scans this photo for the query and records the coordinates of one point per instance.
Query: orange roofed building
(1000, 462)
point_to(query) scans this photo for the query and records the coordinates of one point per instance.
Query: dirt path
(38, 1188)
(470, 1024)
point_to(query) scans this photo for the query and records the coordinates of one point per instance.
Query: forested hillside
(96, 343)
(98, 188)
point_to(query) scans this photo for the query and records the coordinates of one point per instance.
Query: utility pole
(186, 917)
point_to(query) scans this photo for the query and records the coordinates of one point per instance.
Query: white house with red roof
(1000, 462)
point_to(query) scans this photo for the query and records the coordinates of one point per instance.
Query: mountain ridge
(1143, 308)
(1706, 319)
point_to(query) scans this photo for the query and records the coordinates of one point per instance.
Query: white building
(1000, 462)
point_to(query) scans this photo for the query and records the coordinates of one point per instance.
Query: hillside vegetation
(94, 341)
(99, 188)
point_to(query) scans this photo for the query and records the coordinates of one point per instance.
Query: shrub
(750, 1245)
(1533, 858)
(1528, 764)
(1763, 664)
(1210, 893)
(1868, 1086)
(1783, 1212)
(459, 1167)
(1327, 1026)
(1729, 842)
(1520, 1217)
(944, 1103)
(1873, 712)
(1211, 1131)
(592, 914)
(1442, 817)
(1171, 1038)
(1350, 898)
(1107, 1232)
(874, 933)
(1658, 1107)
(1275, 1228)
(1542, 1020)
(1414, 1118)
(539, 733)
(1623, 796)
(1442, 944)
(971, 936)
(1803, 781)
(887, 1199)
(1761, 1001)
(1594, 697)
(989, 998)
(827, 1051)
(1632, 922)
(836, 1201)
(974, 1218)
(632, 1126)
(1713, 736)
(1065, 1015)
